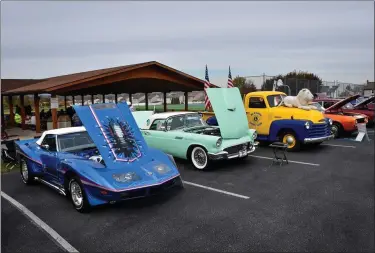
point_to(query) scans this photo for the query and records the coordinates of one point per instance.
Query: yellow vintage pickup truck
(275, 122)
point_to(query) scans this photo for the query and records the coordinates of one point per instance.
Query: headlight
(219, 141)
(307, 125)
(255, 135)
(330, 121)
(126, 177)
(162, 168)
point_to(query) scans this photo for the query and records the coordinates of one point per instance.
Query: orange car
(344, 123)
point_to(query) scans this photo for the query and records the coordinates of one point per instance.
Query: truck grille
(235, 149)
(319, 130)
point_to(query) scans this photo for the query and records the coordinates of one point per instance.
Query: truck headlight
(219, 141)
(162, 168)
(255, 135)
(126, 177)
(307, 125)
(330, 121)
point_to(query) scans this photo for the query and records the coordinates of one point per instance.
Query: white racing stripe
(217, 190)
(291, 161)
(59, 240)
(337, 145)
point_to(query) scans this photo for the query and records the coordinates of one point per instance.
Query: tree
(348, 87)
(239, 82)
(296, 81)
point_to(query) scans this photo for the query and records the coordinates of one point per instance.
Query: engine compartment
(91, 154)
(206, 131)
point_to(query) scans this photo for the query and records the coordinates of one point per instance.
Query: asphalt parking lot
(323, 200)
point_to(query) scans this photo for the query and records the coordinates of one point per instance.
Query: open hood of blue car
(115, 133)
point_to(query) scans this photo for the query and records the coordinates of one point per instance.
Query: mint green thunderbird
(185, 135)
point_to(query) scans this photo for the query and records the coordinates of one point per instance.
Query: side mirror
(46, 146)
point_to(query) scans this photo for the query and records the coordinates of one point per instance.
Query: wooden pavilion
(144, 78)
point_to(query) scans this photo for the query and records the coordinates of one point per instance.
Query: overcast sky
(333, 39)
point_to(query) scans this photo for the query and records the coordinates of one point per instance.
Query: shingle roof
(54, 83)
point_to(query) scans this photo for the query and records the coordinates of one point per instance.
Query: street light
(279, 83)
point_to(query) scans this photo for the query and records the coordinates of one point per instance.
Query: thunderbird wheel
(78, 196)
(26, 176)
(199, 158)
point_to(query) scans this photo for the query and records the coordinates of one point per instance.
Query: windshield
(75, 141)
(318, 107)
(185, 121)
(275, 100)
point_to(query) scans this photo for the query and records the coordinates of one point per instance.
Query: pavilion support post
(23, 113)
(146, 100)
(165, 101)
(64, 102)
(37, 113)
(11, 111)
(130, 98)
(2, 113)
(83, 101)
(186, 94)
(116, 98)
(103, 98)
(54, 115)
(74, 102)
(92, 99)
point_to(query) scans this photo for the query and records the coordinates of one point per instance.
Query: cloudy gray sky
(333, 39)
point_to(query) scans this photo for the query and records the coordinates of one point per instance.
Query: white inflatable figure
(302, 100)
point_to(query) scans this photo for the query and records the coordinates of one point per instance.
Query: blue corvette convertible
(104, 161)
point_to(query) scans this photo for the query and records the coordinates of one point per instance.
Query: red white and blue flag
(230, 82)
(207, 85)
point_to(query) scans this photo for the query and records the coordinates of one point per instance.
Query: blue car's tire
(78, 196)
(26, 175)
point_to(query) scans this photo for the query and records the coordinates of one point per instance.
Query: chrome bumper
(319, 139)
(223, 155)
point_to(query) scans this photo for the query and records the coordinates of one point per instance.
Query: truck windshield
(275, 100)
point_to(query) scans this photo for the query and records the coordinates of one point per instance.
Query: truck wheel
(292, 141)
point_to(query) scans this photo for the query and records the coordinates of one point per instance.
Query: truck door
(258, 115)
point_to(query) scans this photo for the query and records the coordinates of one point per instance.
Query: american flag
(207, 84)
(230, 83)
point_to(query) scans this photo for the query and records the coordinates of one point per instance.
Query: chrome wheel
(76, 194)
(24, 172)
(199, 158)
(335, 131)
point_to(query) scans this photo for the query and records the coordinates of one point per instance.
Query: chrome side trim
(60, 190)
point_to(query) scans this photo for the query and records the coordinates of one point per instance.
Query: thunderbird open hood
(115, 133)
(365, 102)
(343, 102)
(229, 111)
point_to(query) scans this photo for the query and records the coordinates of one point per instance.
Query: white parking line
(217, 190)
(291, 161)
(61, 241)
(337, 145)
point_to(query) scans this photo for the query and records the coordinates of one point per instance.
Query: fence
(333, 89)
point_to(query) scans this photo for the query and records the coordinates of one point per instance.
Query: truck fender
(298, 126)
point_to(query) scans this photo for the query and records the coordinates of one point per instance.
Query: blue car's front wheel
(26, 176)
(78, 195)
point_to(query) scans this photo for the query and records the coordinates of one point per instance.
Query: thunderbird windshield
(185, 121)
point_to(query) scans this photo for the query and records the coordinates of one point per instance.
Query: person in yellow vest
(17, 118)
